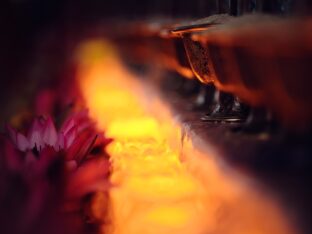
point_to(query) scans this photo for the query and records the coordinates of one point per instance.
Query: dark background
(35, 34)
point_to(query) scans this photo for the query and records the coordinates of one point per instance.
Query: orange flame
(161, 185)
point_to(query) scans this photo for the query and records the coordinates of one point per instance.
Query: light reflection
(155, 191)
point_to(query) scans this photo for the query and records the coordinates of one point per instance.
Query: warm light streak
(161, 187)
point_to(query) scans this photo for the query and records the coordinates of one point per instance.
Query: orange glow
(163, 185)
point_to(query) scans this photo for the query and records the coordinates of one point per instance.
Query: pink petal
(68, 124)
(35, 135)
(18, 139)
(81, 147)
(80, 119)
(22, 142)
(78, 149)
(70, 136)
(84, 125)
(60, 142)
(50, 135)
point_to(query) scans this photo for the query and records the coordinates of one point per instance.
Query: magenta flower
(57, 168)
(31, 191)
(77, 128)
(42, 133)
(82, 146)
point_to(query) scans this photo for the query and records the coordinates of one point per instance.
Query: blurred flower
(41, 134)
(42, 168)
(31, 191)
(77, 136)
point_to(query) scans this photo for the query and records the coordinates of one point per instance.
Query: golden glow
(163, 185)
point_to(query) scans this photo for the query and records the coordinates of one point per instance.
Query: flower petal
(49, 135)
(60, 142)
(70, 136)
(18, 139)
(35, 135)
(68, 124)
(21, 142)
(92, 176)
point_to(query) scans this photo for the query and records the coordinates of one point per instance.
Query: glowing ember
(161, 185)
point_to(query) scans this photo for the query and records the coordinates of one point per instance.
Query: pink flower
(41, 134)
(80, 143)
(55, 167)
(31, 191)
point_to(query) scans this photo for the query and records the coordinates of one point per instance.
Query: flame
(162, 184)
